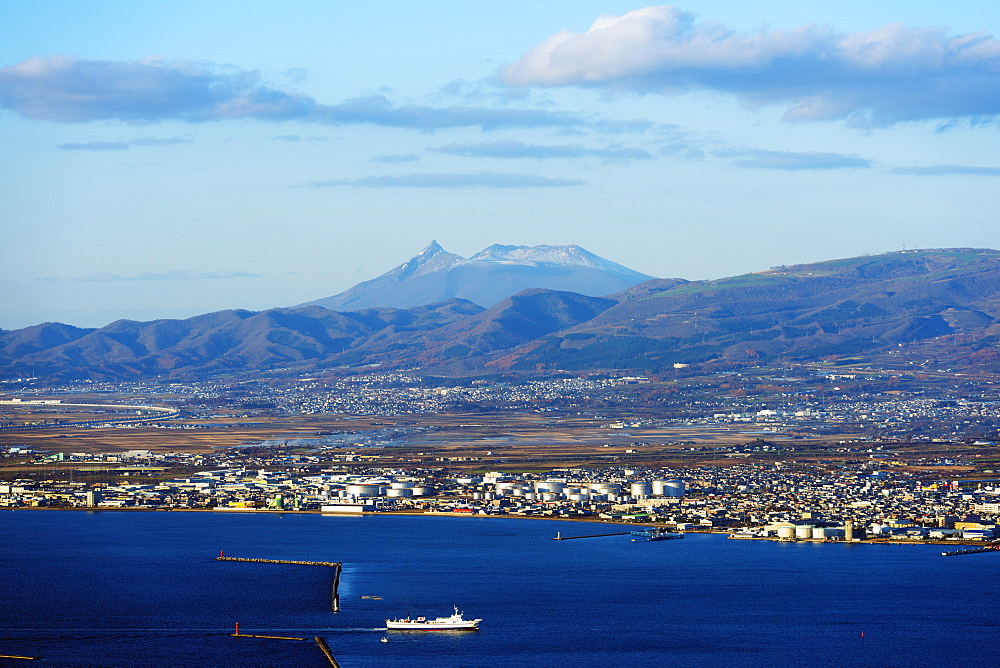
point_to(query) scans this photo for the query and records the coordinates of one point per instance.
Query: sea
(143, 589)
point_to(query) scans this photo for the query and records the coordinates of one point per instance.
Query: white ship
(451, 623)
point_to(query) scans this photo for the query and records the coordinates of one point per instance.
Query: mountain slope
(804, 312)
(934, 304)
(224, 341)
(486, 278)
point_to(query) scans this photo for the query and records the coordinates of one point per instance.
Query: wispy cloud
(872, 78)
(477, 180)
(298, 138)
(69, 90)
(947, 170)
(94, 146)
(178, 275)
(396, 158)
(793, 161)
(519, 150)
(122, 145)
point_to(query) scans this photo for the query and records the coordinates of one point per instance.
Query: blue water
(128, 589)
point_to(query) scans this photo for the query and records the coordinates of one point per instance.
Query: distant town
(805, 453)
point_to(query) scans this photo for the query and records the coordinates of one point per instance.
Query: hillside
(934, 304)
(803, 312)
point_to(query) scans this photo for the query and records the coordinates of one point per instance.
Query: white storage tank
(658, 486)
(363, 490)
(548, 496)
(399, 493)
(422, 491)
(401, 485)
(641, 489)
(555, 487)
(786, 532)
(804, 531)
(673, 488)
(579, 497)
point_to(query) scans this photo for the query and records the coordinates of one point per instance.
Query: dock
(335, 565)
(24, 658)
(559, 536)
(974, 550)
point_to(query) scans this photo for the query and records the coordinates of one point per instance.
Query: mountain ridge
(492, 274)
(941, 304)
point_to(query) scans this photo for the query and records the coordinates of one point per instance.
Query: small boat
(384, 639)
(453, 622)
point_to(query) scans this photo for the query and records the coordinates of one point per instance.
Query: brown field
(500, 441)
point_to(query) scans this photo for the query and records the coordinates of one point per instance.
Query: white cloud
(879, 77)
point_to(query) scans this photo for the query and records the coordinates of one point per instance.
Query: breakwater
(559, 535)
(335, 565)
(975, 550)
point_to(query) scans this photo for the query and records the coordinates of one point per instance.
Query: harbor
(80, 572)
(336, 566)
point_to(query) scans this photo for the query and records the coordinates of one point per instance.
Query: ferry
(454, 622)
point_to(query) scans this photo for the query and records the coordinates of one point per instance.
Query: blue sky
(163, 159)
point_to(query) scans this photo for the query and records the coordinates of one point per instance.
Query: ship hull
(424, 626)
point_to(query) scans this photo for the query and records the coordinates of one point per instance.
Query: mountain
(205, 345)
(941, 306)
(947, 301)
(486, 278)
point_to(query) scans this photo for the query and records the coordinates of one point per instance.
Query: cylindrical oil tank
(529, 496)
(609, 488)
(553, 486)
(401, 485)
(599, 497)
(673, 488)
(640, 489)
(422, 491)
(579, 497)
(399, 493)
(803, 531)
(548, 496)
(786, 532)
(658, 487)
(363, 490)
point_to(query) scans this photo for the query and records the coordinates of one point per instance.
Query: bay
(143, 589)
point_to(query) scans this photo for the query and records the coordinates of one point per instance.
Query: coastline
(411, 513)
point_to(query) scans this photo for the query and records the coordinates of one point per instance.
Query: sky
(164, 159)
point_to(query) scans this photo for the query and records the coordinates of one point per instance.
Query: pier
(975, 550)
(559, 536)
(335, 565)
